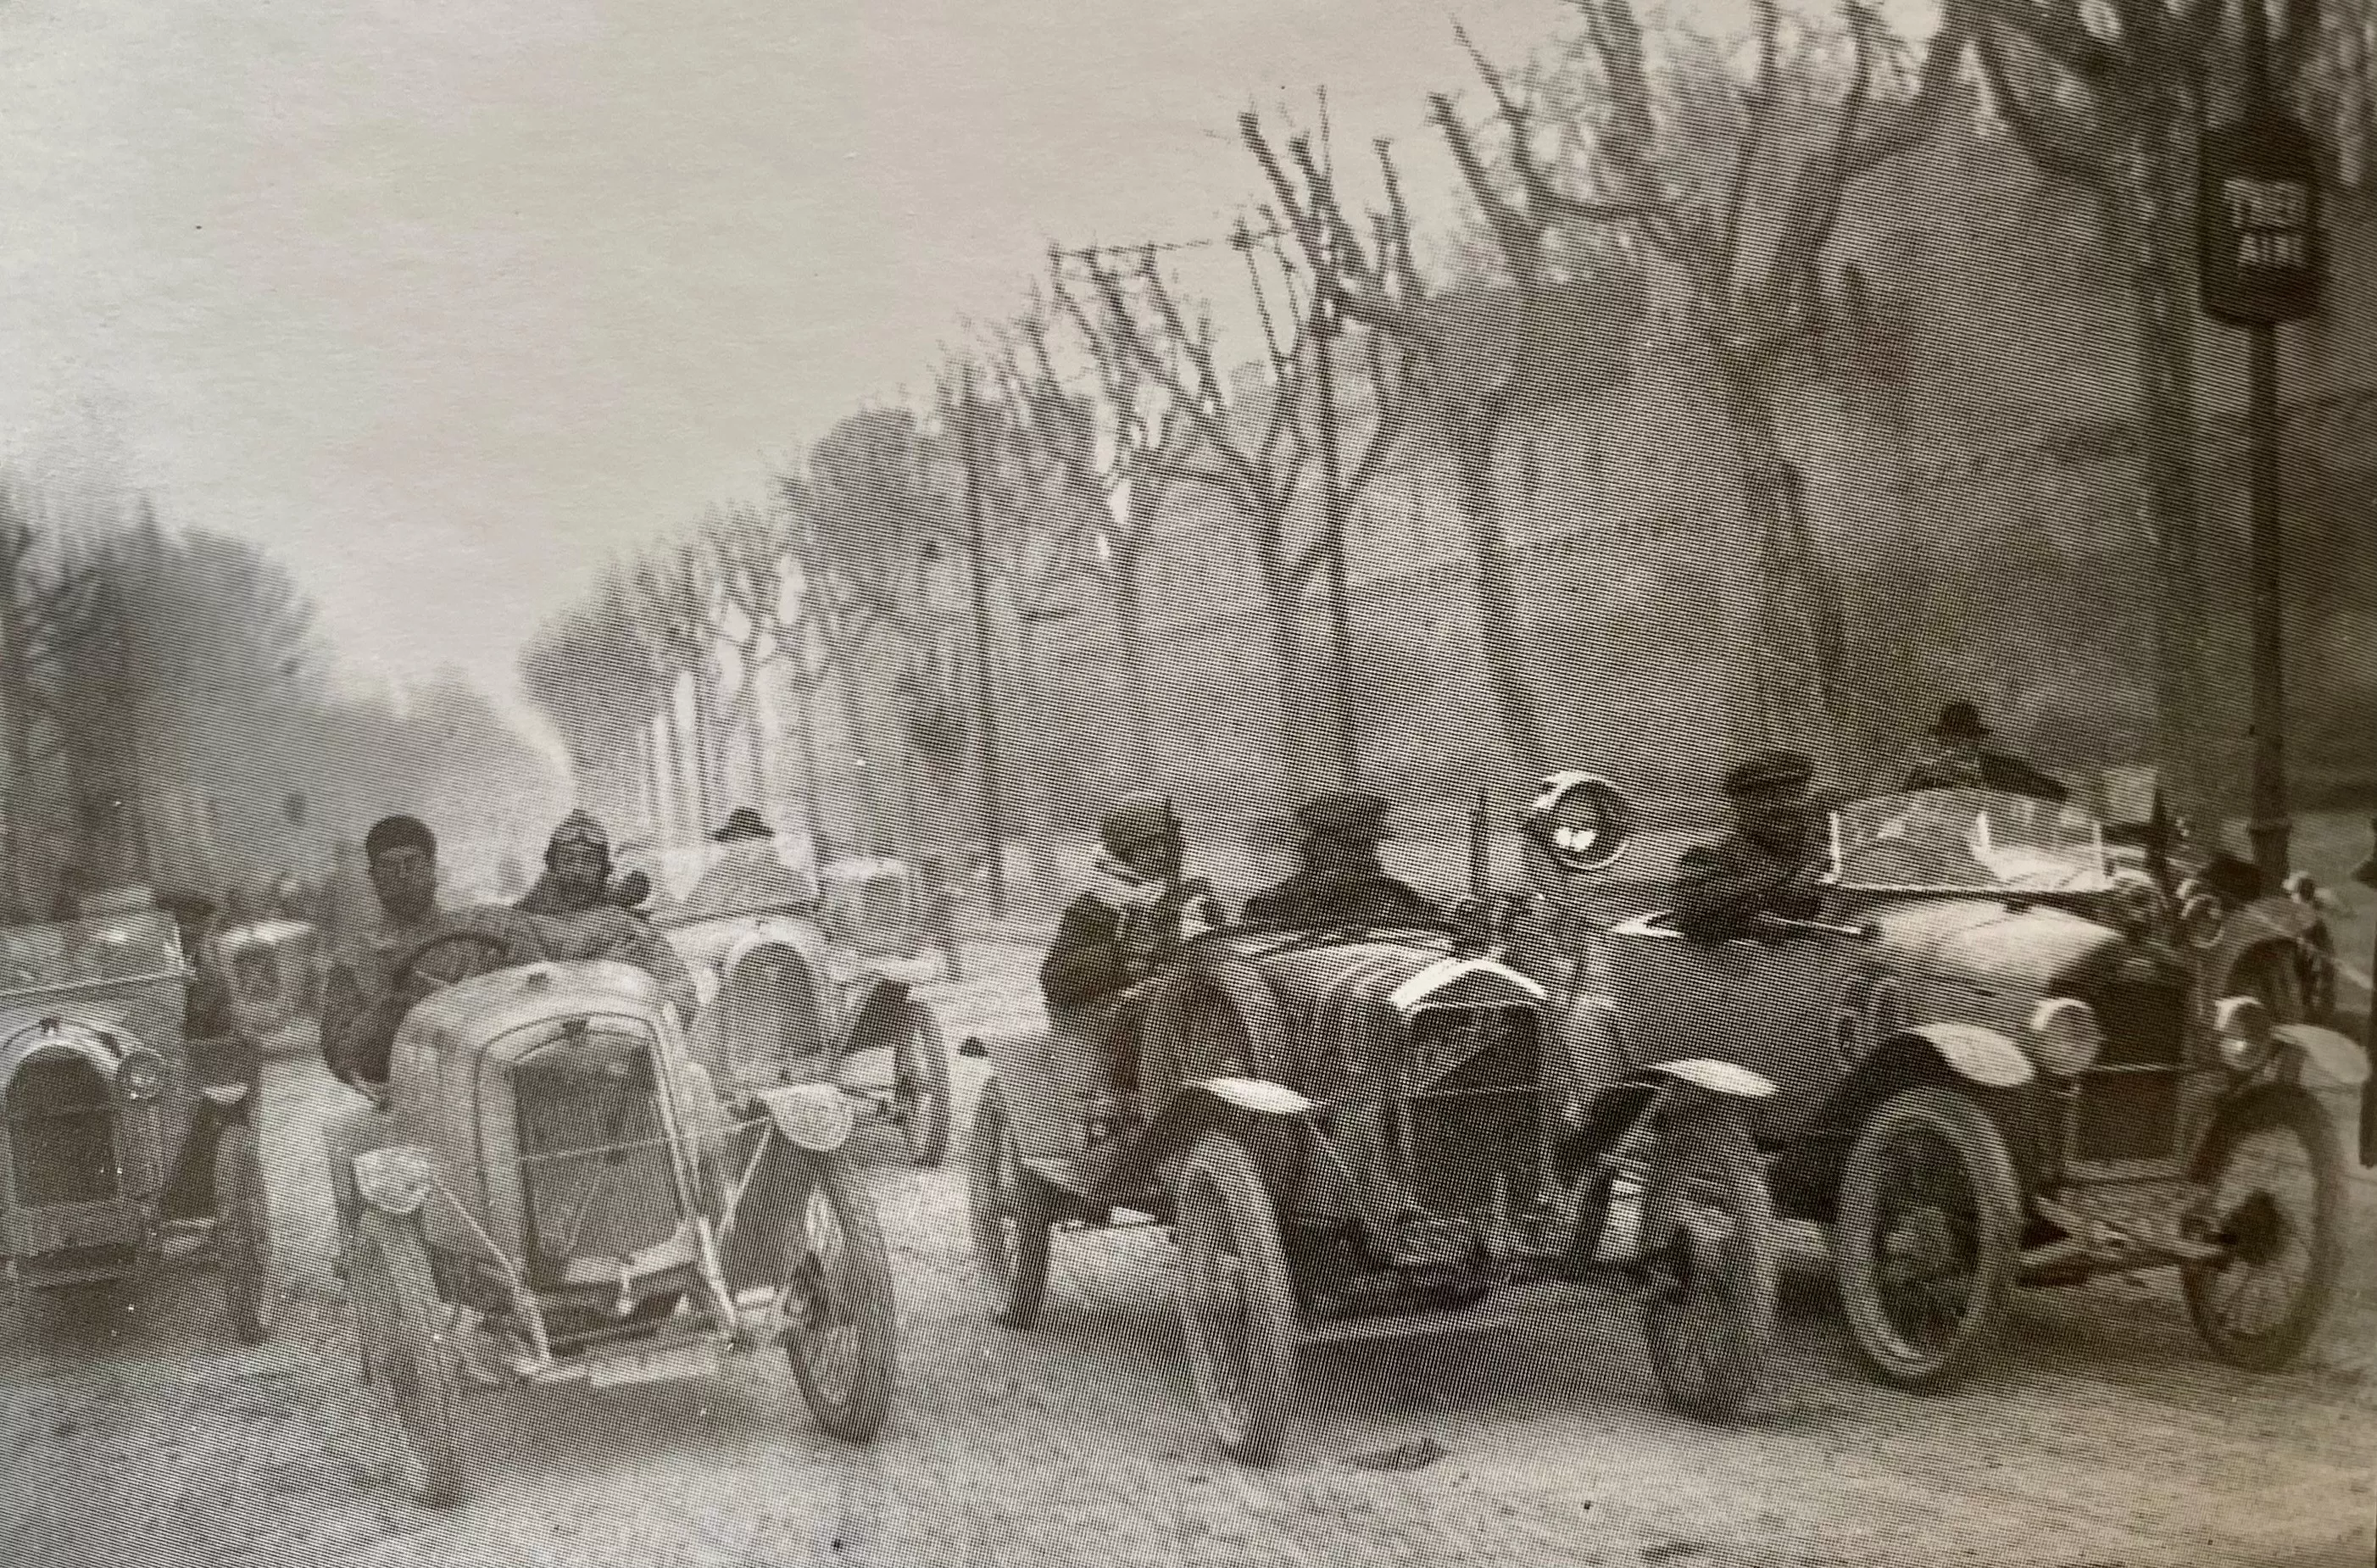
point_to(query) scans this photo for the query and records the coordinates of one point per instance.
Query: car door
(1770, 1004)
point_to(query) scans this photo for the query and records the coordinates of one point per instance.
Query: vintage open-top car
(123, 1144)
(803, 979)
(2001, 1060)
(562, 1192)
(1356, 1133)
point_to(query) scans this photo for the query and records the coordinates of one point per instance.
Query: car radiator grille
(594, 1166)
(1474, 1111)
(2129, 1105)
(61, 1134)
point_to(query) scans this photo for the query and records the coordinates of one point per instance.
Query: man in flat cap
(1342, 882)
(1771, 864)
(1959, 757)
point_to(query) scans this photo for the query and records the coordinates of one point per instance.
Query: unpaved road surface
(2102, 1436)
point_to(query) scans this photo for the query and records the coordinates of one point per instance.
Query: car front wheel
(1237, 1304)
(2272, 1174)
(1927, 1245)
(1708, 1229)
(404, 1327)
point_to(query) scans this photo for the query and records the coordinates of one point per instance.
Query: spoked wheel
(243, 1233)
(406, 1339)
(1237, 1306)
(1708, 1227)
(2273, 1176)
(1928, 1242)
(838, 1302)
(1010, 1212)
(920, 1086)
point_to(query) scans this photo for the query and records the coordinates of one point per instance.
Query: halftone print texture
(1101, 1025)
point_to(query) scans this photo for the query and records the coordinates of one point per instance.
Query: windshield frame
(2102, 883)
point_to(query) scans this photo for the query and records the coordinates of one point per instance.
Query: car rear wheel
(1708, 1226)
(1011, 1213)
(920, 1088)
(838, 1309)
(1927, 1239)
(243, 1233)
(1237, 1305)
(2273, 1175)
(404, 1327)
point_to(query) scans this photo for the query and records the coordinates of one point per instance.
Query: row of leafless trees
(1618, 169)
(167, 715)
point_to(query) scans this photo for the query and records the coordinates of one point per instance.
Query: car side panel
(1768, 1006)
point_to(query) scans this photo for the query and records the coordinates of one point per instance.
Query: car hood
(2030, 948)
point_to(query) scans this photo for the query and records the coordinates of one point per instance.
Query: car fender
(1973, 1052)
(814, 1118)
(1727, 1078)
(882, 1008)
(2331, 1060)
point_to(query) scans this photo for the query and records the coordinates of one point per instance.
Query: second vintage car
(1359, 1134)
(2000, 1062)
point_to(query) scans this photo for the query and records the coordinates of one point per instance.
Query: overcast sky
(444, 299)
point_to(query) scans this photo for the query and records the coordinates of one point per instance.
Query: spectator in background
(1959, 758)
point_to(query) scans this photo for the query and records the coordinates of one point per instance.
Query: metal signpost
(2260, 258)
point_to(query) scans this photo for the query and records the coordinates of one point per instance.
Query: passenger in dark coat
(1959, 758)
(1342, 882)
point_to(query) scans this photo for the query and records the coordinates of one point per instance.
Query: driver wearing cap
(1771, 863)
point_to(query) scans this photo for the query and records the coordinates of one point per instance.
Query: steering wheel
(409, 972)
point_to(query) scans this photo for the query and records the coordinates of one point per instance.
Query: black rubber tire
(855, 1296)
(1709, 1333)
(2295, 1112)
(921, 1086)
(403, 1323)
(243, 1233)
(1011, 1215)
(1951, 1122)
(1242, 1357)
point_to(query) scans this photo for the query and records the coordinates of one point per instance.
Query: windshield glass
(1968, 840)
(103, 949)
(693, 882)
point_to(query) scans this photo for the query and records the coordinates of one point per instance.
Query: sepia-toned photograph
(1037, 784)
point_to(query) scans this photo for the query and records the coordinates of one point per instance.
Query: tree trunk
(1501, 633)
(2147, 227)
(1130, 632)
(1282, 607)
(1798, 663)
(16, 725)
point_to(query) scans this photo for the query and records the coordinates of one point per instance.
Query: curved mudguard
(1982, 1055)
(1615, 1108)
(814, 1118)
(2331, 1060)
(1200, 1105)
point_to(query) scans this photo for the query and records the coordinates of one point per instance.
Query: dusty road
(2104, 1435)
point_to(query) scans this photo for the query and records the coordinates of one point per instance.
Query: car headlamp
(2248, 1034)
(2065, 1036)
(141, 1076)
(395, 1181)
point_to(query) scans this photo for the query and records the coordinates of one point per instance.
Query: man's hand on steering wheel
(409, 973)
